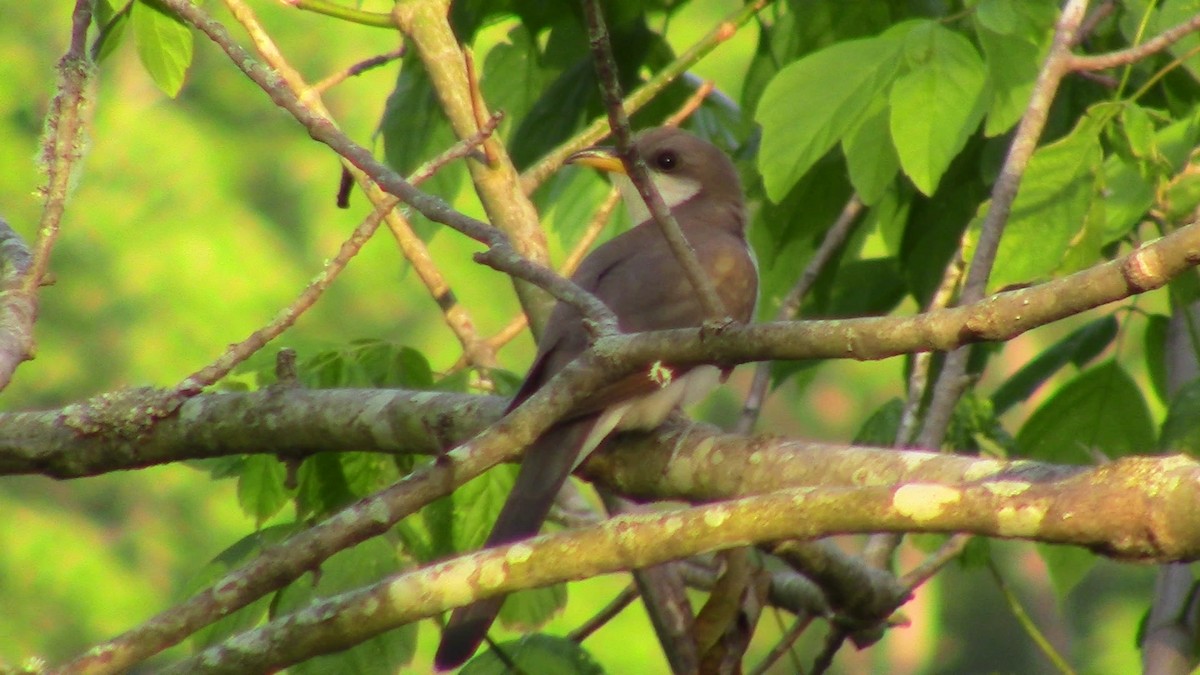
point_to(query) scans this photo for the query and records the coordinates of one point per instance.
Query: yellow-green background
(194, 220)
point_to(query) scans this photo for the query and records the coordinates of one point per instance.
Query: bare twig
(1136, 53)
(618, 604)
(635, 166)
(500, 255)
(334, 79)
(241, 351)
(784, 645)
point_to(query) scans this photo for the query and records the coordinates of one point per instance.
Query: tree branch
(1135, 508)
(635, 165)
(1136, 53)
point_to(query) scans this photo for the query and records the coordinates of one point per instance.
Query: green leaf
(881, 427)
(237, 555)
(1181, 429)
(1068, 565)
(1139, 131)
(1051, 207)
(111, 25)
(363, 564)
(1130, 189)
(528, 610)
(1078, 348)
(800, 127)
(1182, 197)
(1015, 36)
(556, 115)
(1154, 341)
(411, 117)
(512, 78)
(1172, 13)
(261, 492)
(1101, 410)
(164, 44)
(870, 287)
(321, 486)
(536, 653)
(462, 520)
(870, 154)
(937, 104)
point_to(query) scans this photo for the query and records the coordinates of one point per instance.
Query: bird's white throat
(674, 191)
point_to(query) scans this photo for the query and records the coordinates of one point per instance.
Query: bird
(639, 278)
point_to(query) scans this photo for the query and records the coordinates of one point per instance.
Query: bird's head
(682, 166)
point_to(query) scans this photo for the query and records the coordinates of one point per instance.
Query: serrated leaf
(261, 492)
(462, 520)
(164, 44)
(799, 128)
(321, 486)
(937, 104)
(1051, 207)
(536, 653)
(1101, 410)
(1078, 348)
(870, 154)
(1181, 429)
(1067, 565)
(241, 552)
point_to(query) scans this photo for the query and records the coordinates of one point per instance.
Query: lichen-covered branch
(1136, 508)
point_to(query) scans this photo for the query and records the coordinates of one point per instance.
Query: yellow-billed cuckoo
(636, 275)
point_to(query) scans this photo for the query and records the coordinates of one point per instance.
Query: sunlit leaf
(535, 654)
(164, 44)
(937, 104)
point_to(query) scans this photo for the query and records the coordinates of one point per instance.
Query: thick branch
(36, 442)
(1134, 508)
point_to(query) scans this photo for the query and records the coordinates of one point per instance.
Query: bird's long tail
(544, 469)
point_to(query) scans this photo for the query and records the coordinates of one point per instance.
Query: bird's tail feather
(544, 469)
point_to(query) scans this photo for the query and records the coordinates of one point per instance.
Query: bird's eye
(666, 160)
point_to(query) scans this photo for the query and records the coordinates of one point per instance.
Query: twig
(691, 105)
(426, 25)
(615, 607)
(355, 70)
(411, 245)
(339, 11)
(946, 553)
(1137, 52)
(784, 644)
(241, 351)
(500, 255)
(1027, 623)
(725, 29)
(790, 308)
(952, 380)
(596, 225)
(635, 166)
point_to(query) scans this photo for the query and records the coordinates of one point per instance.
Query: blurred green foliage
(196, 219)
